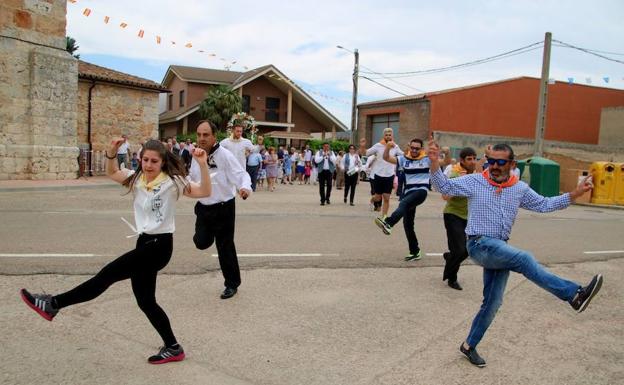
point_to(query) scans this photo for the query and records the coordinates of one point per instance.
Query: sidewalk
(319, 326)
(48, 185)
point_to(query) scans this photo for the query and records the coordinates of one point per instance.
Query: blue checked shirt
(493, 214)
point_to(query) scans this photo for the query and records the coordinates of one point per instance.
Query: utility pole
(356, 70)
(540, 125)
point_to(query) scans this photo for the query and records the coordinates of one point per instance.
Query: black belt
(474, 236)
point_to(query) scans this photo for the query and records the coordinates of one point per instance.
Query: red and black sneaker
(167, 355)
(41, 303)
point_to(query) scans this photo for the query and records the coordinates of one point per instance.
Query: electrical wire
(588, 51)
(383, 85)
(513, 52)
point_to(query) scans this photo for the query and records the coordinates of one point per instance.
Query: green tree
(220, 103)
(71, 47)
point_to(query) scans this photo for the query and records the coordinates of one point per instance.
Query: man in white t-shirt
(384, 171)
(238, 146)
(122, 153)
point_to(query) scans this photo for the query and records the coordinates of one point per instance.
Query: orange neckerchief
(513, 179)
(383, 141)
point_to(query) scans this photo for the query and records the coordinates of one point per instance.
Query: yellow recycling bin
(603, 174)
(619, 184)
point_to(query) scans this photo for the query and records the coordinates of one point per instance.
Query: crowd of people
(483, 197)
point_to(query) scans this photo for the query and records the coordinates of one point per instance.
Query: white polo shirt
(226, 175)
(381, 167)
(154, 210)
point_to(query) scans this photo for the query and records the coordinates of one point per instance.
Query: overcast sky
(300, 38)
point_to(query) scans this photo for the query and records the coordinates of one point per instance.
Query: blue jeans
(498, 259)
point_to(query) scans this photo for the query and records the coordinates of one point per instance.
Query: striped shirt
(492, 214)
(416, 173)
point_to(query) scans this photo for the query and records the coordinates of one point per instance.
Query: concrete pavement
(318, 326)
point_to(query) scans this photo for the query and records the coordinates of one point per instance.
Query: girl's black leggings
(141, 265)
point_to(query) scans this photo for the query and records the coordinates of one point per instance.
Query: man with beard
(216, 214)
(494, 198)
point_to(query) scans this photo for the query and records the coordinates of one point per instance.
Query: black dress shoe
(322, 203)
(229, 292)
(455, 285)
(327, 201)
(351, 204)
(472, 356)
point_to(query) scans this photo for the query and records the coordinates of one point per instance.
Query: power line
(392, 80)
(527, 48)
(383, 85)
(588, 51)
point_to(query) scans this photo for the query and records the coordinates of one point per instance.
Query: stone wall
(612, 127)
(116, 110)
(38, 94)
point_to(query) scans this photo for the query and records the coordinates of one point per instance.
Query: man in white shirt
(325, 160)
(122, 153)
(216, 214)
(238, 146)
(384, 171)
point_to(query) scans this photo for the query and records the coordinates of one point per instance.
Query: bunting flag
(570, 80)
(141, 33)
(172, 42)
(123, 25)
(606, 79)
(157, 39)
(551, 80)
(106, 19)
(72, 1)
(588, 80)
(86, 12)
(188, 45)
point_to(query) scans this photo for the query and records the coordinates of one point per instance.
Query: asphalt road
(282, 229)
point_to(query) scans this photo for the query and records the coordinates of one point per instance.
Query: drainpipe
(90, 154)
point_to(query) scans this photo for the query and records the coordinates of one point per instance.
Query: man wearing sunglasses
(415, 166)
(494, 198)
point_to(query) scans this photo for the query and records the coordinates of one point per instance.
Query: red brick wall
(510, 109)
(176, 86)
(304, 122)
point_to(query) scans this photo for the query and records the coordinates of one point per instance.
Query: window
(170, 102)
(182, 98)
(272, 106)
(380, 122)
(246, 104)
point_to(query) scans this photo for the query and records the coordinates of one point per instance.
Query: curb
(614, 207)
(58, 188)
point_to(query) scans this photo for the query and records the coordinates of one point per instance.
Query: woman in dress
(270, 162)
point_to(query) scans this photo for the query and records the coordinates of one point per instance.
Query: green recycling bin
(541, 174)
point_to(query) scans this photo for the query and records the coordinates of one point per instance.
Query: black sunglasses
(500, 162)
(415, 148)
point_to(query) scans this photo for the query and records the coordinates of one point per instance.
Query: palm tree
(220, 104)
(71, 47)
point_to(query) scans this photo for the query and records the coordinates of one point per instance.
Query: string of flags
(589, 80)
(158, 39)
(87, 12)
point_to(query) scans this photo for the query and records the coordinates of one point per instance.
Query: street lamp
(356, 69)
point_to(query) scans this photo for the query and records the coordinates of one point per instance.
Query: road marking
(284, 255)
(48, 255)
(604, 252)
(434, 254)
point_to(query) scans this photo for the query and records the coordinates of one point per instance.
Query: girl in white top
(156, 186)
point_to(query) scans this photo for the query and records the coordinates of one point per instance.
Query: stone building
(38, 99)
(112, 103)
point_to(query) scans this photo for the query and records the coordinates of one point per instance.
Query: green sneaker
(414, 257)
(383, 225)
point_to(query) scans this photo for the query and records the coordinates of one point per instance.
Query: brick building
(282, 109)
(506, 108)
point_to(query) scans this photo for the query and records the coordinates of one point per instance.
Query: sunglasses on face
(415, 148)
(500, 162)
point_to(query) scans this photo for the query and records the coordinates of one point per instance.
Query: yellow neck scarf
(153, 184)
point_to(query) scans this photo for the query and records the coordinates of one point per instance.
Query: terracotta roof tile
(95, 72)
